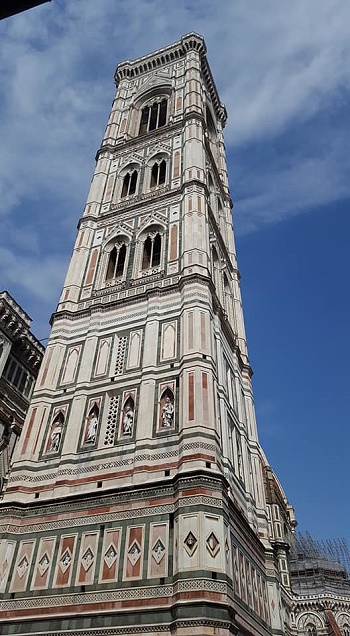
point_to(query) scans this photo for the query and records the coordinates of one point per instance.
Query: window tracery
(153, 116)
(129, 184)
(158, 173)
(116, 262)
(151, 255)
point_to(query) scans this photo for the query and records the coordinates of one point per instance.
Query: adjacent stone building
(140, 500)
(20, 358)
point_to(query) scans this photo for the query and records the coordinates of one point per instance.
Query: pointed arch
(114, 261)
(92, 424)
(167, 409)
(128, 415)
(55, 433)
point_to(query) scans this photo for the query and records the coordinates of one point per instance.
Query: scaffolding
(335, 551)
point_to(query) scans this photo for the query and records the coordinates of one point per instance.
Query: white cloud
(277, 65)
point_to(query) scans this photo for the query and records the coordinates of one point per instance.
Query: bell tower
(136, 500)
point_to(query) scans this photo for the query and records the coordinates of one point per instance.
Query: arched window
(129, 184)
(346, 630)
(151, 251)
(116, 262)
(153, 117)
(158, 173)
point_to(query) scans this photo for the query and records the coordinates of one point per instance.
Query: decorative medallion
(134, 553)
(43, 564)
(213, 545)
(22, 567)
(190, 543)
(158, 551)
(87, 559)
(65, 560)
(110, 555)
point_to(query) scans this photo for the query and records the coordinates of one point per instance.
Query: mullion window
(152, 251)
(129, 184)
(153, 117)
(116, 262)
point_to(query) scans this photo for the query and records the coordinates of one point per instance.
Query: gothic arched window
(311, 630)
(346, 630)
(152, 251)
(153, 116)
(158, 173)
(129, 184)
(116, 262)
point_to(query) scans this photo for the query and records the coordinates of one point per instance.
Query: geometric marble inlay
(22, 567)
(190, 543)
(213, 545)
(87, 559)
(3, 569)
(65, 560)
(110, 555)
(43, 564)
(134, 552)
(158, 551)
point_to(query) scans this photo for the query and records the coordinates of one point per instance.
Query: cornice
(173, 53)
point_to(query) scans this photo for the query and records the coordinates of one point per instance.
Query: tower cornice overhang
(130, 69)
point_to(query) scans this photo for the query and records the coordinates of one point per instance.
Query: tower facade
(136, 501)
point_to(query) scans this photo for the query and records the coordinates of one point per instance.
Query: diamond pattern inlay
(213, 545)
(65, 560)
(134, 552)
(87, 559)
(43, 564)
(190, 543)
(110, 555)
(158, 551)
(22, 567)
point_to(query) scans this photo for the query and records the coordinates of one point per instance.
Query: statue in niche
(56, 433)
(92, 427)
(128, 420)
(167, 413)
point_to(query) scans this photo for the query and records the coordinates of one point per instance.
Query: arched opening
(129, 184)
(152, 251)
(116, 262)
(128, 415)
(91, 426)
(167, 409)
(158, 174)
(54, 441)
(153, 116)
(311, 630)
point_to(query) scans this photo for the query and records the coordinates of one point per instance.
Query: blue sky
(283, 71)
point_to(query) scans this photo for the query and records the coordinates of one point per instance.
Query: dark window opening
(157, 244)
(116, 262)
(129, 184)
(158, 174)
(152, 251)
(153, 117)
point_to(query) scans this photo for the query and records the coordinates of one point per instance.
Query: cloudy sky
(283, 70)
